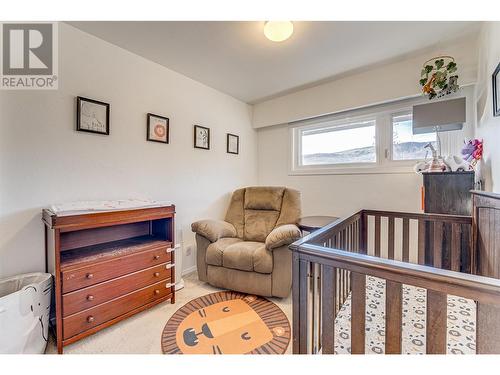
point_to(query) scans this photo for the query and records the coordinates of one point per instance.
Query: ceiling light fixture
(278, 31)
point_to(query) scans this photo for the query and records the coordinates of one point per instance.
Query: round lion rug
(227, 323)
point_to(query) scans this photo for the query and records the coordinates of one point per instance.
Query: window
(378, 139)
(405, 144)
(339, 144)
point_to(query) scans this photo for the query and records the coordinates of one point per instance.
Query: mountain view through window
(351, 143)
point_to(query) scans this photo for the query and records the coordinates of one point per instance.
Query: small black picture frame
(496, 91)
(201, 137)
(232, 144)
(92, 116)
(159, 132)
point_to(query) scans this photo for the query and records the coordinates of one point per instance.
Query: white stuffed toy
(456, 163)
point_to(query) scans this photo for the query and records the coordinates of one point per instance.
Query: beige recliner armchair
(248, 251)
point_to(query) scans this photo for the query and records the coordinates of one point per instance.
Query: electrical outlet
(189, 250)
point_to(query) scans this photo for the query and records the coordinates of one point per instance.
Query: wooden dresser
(108, 266)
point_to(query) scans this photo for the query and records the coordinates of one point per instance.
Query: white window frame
(383, 141)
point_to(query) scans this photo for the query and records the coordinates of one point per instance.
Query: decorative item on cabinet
(108, 266)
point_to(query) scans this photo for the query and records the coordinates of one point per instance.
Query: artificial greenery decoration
(437, 79)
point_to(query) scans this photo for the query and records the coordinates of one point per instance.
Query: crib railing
(332, 263)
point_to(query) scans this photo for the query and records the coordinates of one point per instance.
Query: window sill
(407, 168)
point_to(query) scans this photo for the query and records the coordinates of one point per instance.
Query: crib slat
(421, 242)
(455, 246)
(394, 317)
(358, 308)
(351, 237)
(363, 234)
(436, 322)
(406, 239)
(316, 307)
(438, 244)
(304, 306)
(344, 295)
(328, 304)
(390, 238)
(356, 236)
(377, 236)
(488, 329)
(296, 303)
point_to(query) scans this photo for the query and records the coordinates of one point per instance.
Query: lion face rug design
(227, 323)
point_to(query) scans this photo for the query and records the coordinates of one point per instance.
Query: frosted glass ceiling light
(278, 31)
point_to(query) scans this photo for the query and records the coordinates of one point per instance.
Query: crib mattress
(461, 327)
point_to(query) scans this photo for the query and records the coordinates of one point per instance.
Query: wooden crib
(440, 255)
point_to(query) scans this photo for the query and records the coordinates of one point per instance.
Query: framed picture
(92, 116)
(233, 144)
(496, 91)
(158, 128)
(201, 137)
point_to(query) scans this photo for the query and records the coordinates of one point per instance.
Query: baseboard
(189, 270)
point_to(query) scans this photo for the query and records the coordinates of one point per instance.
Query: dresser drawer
(77, 278)
(82, 321)
(94, 295)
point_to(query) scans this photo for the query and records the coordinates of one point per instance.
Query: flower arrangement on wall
(437, 78)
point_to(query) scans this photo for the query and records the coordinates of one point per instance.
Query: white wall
(488, 126)
(44, 160)
(379, 84)
(340, 195)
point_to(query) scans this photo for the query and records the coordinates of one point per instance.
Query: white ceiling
(236, 58)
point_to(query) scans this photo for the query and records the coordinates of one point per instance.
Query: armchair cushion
(213, 229)
(248, 256)
(282, 235)
(264, 198)
(215, 251)
(258, 224)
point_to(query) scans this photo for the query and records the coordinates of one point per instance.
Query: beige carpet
(141, 334)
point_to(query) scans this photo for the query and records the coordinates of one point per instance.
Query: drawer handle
(90, 297)
(156, 257)
(89, 275)
(157, 274)
(170, 265)
(90, 319)
(157, 291)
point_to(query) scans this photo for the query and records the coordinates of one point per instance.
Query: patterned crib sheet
(461, 327)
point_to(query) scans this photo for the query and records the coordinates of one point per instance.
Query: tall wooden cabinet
(486, 224)
(448, 192)
(108, 266)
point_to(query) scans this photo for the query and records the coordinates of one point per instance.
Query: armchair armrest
(282, 235)
(212, 230)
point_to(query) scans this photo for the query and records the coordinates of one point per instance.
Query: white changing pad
(86, 207)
